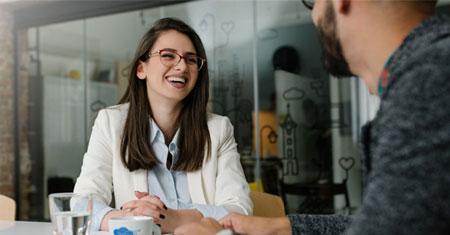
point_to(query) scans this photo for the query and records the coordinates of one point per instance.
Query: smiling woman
(159, 151)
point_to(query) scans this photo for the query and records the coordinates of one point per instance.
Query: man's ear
(343, 6)
(141, 71)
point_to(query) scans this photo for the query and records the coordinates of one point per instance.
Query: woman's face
(168, 83)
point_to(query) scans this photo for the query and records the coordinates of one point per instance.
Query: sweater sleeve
(318, 224)
(409, 181)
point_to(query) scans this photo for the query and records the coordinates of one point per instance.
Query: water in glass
(71, 223)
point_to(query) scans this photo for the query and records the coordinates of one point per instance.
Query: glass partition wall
(297, 138)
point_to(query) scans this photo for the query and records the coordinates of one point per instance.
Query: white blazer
(220, 181)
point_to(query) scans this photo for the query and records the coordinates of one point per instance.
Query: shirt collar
(155, 132)
(157, 135)
(382, 81)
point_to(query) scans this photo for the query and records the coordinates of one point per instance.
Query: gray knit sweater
(406, 148)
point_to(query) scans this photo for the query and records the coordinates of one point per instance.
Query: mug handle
(156, 230)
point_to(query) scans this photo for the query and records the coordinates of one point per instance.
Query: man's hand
(253, 225)
(206, 226)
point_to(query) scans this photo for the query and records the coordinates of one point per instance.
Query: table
(31, 228)
(28, 228)
(25, 228)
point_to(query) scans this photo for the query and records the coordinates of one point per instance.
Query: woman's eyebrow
(174, 50)
(169, 49)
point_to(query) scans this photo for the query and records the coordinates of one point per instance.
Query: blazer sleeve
(408, 188)
(232, 189)
(96, 171)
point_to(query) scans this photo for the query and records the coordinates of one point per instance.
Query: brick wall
(6, 105)
(6, 113)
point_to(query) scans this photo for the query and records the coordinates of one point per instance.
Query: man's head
(348, 28)
(332, 55)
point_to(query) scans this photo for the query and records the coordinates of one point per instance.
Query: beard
(332, 57)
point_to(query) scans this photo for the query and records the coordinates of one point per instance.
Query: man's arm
(254, 225)
(318, 224)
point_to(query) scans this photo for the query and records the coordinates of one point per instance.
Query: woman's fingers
(151, 198)
(156, 220)
(139, 195)
(139, 203)
(146, 205)
(144, 211)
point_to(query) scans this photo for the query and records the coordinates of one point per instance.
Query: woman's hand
(206, 226)
(112, 214)
(168, 219)
(146, 205)
(177, 218)
(149, 205)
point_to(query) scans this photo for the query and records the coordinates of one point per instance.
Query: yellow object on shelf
(254, 186)
(73, 74)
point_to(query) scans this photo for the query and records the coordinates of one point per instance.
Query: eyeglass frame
(181, 57)
(307, 5)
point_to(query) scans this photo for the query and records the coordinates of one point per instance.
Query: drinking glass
(70, 213)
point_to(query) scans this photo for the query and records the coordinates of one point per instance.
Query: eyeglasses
(308, 4)
(171, 58)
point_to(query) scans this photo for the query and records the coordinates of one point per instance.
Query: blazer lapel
(140, 180)
(195, 182)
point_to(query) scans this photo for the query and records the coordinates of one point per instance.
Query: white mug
(133, 225)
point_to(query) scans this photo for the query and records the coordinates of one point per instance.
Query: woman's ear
(141, 71)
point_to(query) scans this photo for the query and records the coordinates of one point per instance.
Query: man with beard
(402, 51)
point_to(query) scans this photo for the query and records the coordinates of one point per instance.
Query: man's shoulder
(427, 66)
(427, 46)
(436, 52)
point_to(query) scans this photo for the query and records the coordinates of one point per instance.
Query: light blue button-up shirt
(169, 185)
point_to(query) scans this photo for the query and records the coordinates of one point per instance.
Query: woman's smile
(177, 81)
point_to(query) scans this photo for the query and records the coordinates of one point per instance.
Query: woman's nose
(181, 65)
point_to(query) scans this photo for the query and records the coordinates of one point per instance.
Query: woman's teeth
(177, 80)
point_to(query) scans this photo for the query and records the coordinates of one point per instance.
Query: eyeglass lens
(169, 58)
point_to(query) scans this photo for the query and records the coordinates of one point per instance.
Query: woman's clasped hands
(146, 205)
(151, 205)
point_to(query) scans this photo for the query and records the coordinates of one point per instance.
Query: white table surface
(25, 227)
(31, 228)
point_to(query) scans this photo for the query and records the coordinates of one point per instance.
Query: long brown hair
(194, 135)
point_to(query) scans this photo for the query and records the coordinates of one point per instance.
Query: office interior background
(296, 127)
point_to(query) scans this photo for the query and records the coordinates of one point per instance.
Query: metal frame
(49, 12)
(16, 127)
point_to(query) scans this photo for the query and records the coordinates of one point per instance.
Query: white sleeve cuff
(225, 232)
(99, 211)
(215, 212)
